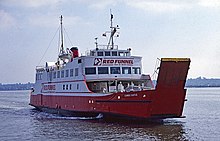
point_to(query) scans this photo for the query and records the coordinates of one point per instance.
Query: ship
(110, 82)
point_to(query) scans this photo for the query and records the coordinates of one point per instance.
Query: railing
(107, 47)
(40, 68)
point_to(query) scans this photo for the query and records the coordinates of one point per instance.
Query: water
(19, 121)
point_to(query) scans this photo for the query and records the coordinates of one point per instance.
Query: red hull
(143, 104)
(166, 101)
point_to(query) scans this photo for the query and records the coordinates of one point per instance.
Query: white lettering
(130, 95)
(110, 62)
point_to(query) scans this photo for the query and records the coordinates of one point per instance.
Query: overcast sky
(152, 28)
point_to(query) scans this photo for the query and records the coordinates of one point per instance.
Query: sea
(21, 122)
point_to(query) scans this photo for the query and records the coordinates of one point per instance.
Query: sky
(152, 28)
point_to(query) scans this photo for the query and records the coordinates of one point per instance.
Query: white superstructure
(105, 69)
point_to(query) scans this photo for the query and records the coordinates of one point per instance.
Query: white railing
(40, 68)
(107, 47)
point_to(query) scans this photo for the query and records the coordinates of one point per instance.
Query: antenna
(61, 32)
(111, 18)
(113, 31)
(96, 43)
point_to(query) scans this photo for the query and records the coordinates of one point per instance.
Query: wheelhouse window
(50, 76)
(127, 54)
(126, 70)
(136, 70)
(92, 53)
(121, 53)
(90, 71)
(107, 53)
(67, 73)
(99, 53)
(102, 70)
(54, 74)
(62, 73)
(115, 70)
(71, 72)
(58, 74)
(114, 53)
(38, 76)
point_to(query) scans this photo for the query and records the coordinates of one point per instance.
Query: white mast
(62, 51)
(113, 31)
(64, 56)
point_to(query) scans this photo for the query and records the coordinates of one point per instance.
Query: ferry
(109, 81)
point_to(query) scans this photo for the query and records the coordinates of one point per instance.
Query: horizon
(200, 77)
(153, 29)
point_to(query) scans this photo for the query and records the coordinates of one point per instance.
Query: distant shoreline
(202, 87)
(200, 82)
(203, 82)
(16, 86)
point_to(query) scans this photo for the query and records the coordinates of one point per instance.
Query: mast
(61, 33)
(113, 31)
(64, 54)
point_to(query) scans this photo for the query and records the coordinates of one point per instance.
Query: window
(136, 70)
(63, 87)
(121, 53)
(126, 53)
(76, 71)
(36, 76)
(54, 74)
(107, 53)
(79, 61)
(126, 70)
(102, 70)
(70, 86)
(50, 76)
(40, 76)
(66, 87)
(62, 73)
(114, 53)
(77, 86)
(71, 72)
(115, 70)
(58, 74)
(92, 53)
(67, 73)
(99, 53)
(90, 71)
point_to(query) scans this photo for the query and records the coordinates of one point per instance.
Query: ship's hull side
(142, 104)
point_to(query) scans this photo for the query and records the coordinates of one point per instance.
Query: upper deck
(109, 51)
